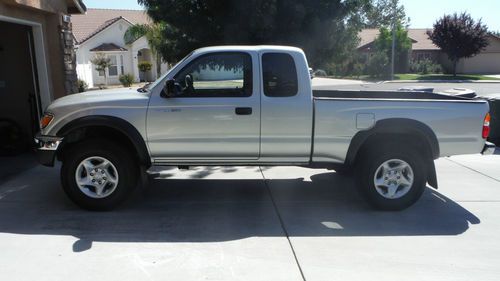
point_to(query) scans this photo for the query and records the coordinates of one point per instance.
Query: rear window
(279, 75)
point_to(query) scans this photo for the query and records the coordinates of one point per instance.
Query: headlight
(46, 119)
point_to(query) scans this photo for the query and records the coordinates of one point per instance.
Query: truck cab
(244, 105)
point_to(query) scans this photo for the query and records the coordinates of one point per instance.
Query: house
(102, 31)
(487, 61)
(36, 59)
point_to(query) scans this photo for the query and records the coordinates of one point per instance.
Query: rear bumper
(489, 148)
(47, 149)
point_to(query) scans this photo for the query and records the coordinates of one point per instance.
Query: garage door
(19, 106)
(482, 63)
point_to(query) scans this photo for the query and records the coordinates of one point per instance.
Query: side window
(279, 75)
(217, 75)
(113, 68)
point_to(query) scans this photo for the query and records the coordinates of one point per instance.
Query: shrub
(82, 86)
(378, 65)
(145, 66)
(126, 80)
(357, 70)
(425, 67)
(320, 73)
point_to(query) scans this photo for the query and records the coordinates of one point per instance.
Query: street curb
(443, 81)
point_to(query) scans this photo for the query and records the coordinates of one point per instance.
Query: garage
(37, 66)
(483, 63)
(487, 62)
(20, 105)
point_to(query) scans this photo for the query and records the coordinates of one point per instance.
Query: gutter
(80, 6)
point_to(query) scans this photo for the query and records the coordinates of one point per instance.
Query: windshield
(152, 85)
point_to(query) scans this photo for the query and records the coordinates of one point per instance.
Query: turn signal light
(486, 126)
(45, 121)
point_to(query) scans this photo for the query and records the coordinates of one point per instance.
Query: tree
(459, 36)
(102, 63)
(326, 30)
(384, 13)
(383, 43)
(154, 35)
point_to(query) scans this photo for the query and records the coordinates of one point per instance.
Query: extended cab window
(279, 75)
(217, 75)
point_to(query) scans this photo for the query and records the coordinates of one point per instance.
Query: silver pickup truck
(254, 105)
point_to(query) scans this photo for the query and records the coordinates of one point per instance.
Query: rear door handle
(243, 111)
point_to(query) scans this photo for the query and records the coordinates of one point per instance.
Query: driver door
(214, 116)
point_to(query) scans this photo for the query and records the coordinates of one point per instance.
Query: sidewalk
(443, 81)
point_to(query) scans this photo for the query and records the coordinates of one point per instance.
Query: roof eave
(77, 8)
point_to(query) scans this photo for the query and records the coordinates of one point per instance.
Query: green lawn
(421, 77)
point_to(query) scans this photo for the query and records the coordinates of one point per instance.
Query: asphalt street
(254, 223)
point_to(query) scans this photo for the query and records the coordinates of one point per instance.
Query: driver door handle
(243, 111)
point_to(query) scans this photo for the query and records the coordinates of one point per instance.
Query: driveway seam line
(460, 164)
(282, 223)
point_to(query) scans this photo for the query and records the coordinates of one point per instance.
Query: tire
(398, 194)
(119, 178)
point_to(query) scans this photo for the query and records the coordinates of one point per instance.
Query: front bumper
(489, 148)
(47, 149)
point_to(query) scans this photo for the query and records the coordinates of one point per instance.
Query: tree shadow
(213, 210)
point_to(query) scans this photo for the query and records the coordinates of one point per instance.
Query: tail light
(486, 126)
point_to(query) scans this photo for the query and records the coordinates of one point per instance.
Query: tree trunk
(158, 65)
(455, 62)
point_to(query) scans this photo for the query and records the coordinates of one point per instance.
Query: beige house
(36, 58)
(487, 62)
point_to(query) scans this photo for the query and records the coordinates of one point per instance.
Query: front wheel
(98, 175)
(392, 179)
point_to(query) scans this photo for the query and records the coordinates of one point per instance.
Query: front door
(216, 114)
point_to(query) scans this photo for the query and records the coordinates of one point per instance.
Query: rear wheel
(392, 179)
(98, 174)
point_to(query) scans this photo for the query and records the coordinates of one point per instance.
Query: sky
(423, 13)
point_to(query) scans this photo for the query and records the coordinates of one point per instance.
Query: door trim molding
(46, 96)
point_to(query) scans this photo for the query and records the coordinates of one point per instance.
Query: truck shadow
(212, 210)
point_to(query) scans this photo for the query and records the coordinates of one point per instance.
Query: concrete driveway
(251, 223)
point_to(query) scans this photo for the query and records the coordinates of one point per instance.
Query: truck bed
(353, 94)
(340, 115)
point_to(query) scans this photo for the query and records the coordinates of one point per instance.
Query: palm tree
(154, 36)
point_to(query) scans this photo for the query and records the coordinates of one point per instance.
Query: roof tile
(107, 47)
(419, 36)
(95, 20)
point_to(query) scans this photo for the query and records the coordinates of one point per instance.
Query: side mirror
(169, 90)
